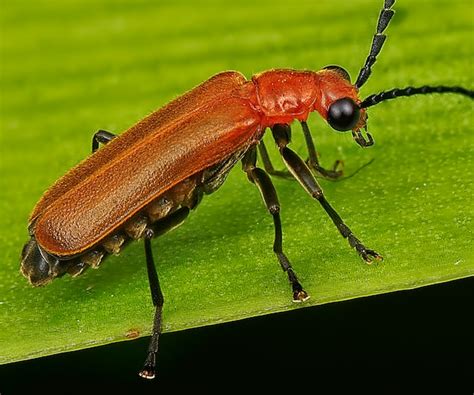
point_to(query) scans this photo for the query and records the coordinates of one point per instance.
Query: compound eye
(339, 70)
(343, 114)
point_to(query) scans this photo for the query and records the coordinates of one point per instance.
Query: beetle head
(340, 103)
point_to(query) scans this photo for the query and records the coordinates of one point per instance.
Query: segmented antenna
(377, 42)
(374, 99)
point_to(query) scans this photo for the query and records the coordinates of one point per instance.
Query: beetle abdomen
(40, 267)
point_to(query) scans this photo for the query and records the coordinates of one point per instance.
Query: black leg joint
(282, 134)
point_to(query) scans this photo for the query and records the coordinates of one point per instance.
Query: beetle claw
(148, 372)
(369, 256)
(300, 296)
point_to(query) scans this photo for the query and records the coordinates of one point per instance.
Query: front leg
(303, 175)
(313, 161)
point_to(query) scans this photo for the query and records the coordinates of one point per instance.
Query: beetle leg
(267, 163)
(101, 137)
(304, 176)
(313, 161)
(148, 370)
(160, 227)
(269, 195)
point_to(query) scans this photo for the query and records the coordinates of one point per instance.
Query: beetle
(146, 181)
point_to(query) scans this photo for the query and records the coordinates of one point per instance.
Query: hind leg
(172, 221)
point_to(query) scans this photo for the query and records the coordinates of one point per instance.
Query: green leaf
(70, 68)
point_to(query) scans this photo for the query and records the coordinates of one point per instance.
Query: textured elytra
(215, 87)
(111, 195)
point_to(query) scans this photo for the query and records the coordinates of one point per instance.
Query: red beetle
(145, 181)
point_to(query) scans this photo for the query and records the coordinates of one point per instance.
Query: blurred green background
(70, 68)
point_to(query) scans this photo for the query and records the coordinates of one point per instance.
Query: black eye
(338, 69)
(343, 114)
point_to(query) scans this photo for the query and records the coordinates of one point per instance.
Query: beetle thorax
(285, 95)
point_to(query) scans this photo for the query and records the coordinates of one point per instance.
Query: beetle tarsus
(368, 255)
(333, 174)
(148, 371)
(299, 294)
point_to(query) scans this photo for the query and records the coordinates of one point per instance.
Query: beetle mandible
(156, 172)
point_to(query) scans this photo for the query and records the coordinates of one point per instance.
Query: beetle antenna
(377, 42)
(376, 98)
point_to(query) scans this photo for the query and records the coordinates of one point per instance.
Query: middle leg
(268, 192)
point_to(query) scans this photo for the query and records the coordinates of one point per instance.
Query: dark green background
(409, 342)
